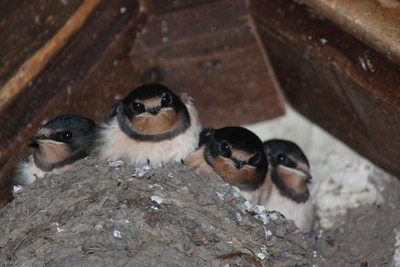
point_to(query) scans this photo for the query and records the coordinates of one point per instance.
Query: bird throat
(246, 178)
(290, 184)
(161, 123)
(147, 127)
(50, 156)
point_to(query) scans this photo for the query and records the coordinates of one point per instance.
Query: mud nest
(110, 214)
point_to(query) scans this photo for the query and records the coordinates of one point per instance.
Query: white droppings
(58, 229)
(155, 185)
(268, 233)
(239, 216)
(122, 10)
(261, 212)
(323, 40)
(250, 206)
(170, 175)
(362, 63)
(16, 188)
(320, 233)
(263, 217)
(127, 221)
(396, 256)
(366, 63)
(264, 252)
(117, 234)
(273, 216)
(117, 163)
(98, 227)
(154, 208)
(236, 191)
(221, 195)
(165, 39)
(140, 172)
(369, 64)
(261, 255)
(157, 199)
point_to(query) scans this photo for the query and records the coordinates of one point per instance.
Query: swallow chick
(58, 145)
(288, 177)
(233, 153)
(151, 126)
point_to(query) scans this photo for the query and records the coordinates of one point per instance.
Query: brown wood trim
(33, 66)
(375, 22)
(334, 79)
(80, 79)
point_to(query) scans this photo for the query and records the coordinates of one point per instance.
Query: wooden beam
(333, 78)
(82, 78)
(34, 65)
(215, 58)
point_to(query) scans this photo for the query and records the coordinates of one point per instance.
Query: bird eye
(137, 107)
(224, 147)
(67, 136)
(281, 158)
(166, 100)
(255, 159)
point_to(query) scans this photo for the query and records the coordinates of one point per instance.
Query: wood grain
(34, 65)
(217, 60)
(25, 28)
(336, 80)
(375, 22)
(80, 79)
(98, 58)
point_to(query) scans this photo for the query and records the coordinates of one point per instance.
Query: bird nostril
(39, 137)
(239, 164)
(154, 111)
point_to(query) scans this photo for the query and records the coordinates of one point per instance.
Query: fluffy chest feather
(261, 195)
(301, 213)
(116, 145)
(28, 172)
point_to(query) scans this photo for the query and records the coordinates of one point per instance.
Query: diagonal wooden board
(215, 58)
(338, 81)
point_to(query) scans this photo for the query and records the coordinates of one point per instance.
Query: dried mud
(101, 214)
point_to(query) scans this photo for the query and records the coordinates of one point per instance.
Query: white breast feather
(115, 145)
(28, 172)
(301, 213)
(261, 195)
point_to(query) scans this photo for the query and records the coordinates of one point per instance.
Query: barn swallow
(58, 145)
(286, 188)
(233, 153)
(151, 126)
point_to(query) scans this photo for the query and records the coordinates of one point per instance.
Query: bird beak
(303, 174)
(239, 163)
(37, 138)
(299, 172)
(154, 111)
(306, 175)
(42, 139)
